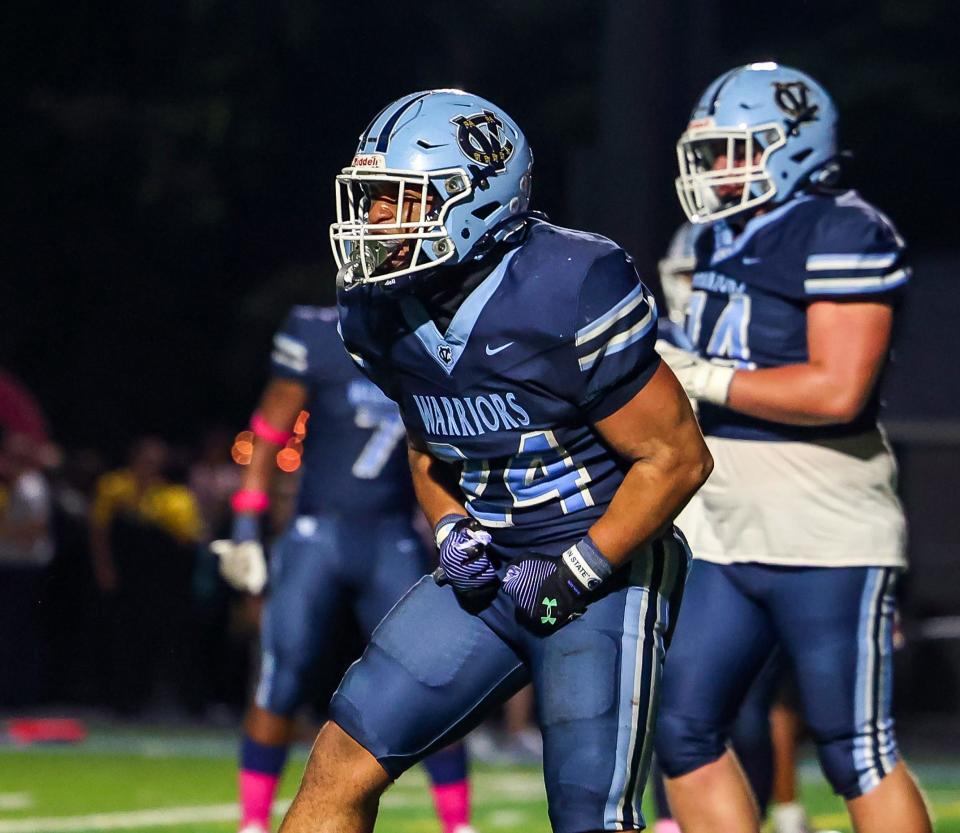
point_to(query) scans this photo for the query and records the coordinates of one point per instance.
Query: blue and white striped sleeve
(855, 253)
(290, 358)
(614, 338)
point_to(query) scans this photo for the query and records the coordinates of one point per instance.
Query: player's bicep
(849, 342)
(657, 425)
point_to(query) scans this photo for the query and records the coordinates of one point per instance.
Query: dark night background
(169, 183)
(170, 166)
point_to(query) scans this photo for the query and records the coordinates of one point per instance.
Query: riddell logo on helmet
(700, 124)
(368, 160)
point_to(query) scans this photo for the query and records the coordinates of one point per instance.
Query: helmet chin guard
(456, 168)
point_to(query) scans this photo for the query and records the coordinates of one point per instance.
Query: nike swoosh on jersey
(493, 351)
(750, 261)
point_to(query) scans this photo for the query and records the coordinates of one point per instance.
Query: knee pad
(855, 763)
(683, 745)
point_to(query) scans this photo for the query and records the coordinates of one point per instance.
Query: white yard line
(165, 817)
(408, 793)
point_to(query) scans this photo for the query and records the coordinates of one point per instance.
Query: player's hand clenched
(463, 543)
(550, 592)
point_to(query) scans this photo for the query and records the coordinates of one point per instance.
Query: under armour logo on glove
(549, 592)
(463, 555)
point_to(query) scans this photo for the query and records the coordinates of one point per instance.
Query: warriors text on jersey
(354, 454)
(557, 336)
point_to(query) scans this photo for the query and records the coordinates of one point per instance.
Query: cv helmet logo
(793, 97)
(445, 353)
(482, 139)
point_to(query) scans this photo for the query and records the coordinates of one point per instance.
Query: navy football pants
(433, 670)
(319, 567)
(835, 627)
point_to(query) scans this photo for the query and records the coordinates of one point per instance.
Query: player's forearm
(258, 474)
(649, 498)
(273, 423)
(434, 485)
(799, 394)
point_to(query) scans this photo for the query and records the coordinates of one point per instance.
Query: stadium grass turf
(159, 785)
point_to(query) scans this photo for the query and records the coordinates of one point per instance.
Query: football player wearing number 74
(798, 534)
(551, 449)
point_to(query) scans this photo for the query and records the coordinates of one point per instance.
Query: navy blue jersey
(750, 293)
(558, 336)
(354, 454)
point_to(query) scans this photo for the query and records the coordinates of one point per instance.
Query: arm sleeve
(615, 333)
(855, 253)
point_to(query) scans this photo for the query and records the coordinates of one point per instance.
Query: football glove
(463, 543)
(701, 380)
(242, 563)
(550, 592)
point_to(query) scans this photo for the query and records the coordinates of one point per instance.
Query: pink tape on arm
(265, 431)
(250, 500)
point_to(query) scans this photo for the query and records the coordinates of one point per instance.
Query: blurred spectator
(26, 549)
(70, 594)
(225, 623)
(213, 479)
(143, 536)
(22, 416)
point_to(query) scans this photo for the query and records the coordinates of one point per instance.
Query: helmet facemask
(709, 192)
(368, 252)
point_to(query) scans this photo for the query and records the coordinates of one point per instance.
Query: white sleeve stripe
(286, 360)
(619, 342)
(623, 307)
(826, 263)
(290, 345)
(868, 284)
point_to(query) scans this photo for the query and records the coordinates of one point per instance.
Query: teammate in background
(550, 449)
(802, 536)
(750, 733)
(351, 543)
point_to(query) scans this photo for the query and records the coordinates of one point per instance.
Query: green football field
(175, 782)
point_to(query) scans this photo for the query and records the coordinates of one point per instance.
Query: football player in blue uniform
(551, 449)
(800, 536)
(750, 733)
(350, 544)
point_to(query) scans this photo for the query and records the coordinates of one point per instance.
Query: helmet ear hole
(465, 234)
(485, 210)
